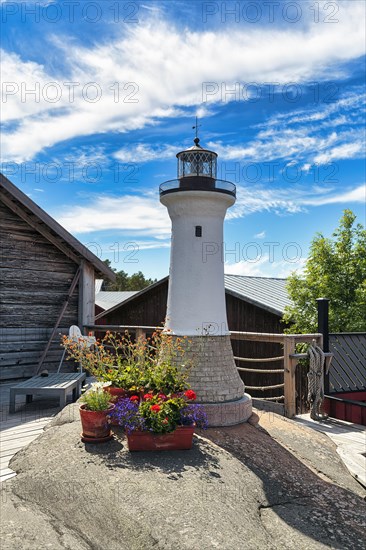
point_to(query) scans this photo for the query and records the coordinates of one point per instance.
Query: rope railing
(264, 388)
(272, 398)
(260, 360)
(263, 371)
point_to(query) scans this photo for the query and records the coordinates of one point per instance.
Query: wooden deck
(19, 429)
(349, 438)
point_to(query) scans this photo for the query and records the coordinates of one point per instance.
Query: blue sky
(279, 88)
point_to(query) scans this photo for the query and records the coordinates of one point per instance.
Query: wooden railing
(290, 358)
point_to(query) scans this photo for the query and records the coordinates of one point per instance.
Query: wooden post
(140, 333)
(86, 296)
(289, 376)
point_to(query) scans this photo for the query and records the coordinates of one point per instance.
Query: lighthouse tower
(197, 203)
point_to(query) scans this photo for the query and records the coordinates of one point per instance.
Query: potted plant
(94, 413)
(159, 422)
(149, 377)
(133, 367)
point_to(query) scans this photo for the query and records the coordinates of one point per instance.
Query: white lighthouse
(197, 203)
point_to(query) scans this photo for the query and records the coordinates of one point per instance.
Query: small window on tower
(198, 230)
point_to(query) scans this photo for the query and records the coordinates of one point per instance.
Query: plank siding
(246, 317)
(146, 310)
(348, 367)
(35, 278)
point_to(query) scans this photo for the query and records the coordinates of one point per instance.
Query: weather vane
(196, 128)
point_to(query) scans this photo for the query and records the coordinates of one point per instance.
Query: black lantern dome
(197, 162)
(197, 169)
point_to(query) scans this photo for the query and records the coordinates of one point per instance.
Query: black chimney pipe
(323, 328)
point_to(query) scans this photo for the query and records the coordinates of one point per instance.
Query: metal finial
(196, 140)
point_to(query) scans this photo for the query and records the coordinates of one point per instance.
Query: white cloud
(299, 143)
(264, 267)
(260, 235)
(283, 201)
(140, 215)
(163, 63)
(358, 194)
(151, 245)
(320, 135)
(143, 153)
(345, 151)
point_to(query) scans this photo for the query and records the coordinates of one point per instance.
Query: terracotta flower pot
(120, 392)
(179, 440)
(96, 428)
(116, 392)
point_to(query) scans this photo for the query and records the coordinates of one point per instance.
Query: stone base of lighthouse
(216, 381)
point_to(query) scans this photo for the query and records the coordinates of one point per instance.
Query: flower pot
(96, 428)
(179, 440)
(116, 392)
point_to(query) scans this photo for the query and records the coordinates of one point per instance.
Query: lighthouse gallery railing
(197, 184)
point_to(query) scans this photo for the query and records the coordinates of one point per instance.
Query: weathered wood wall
(146, 310)
(246, 317)
(35, 278)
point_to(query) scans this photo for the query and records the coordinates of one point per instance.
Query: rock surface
(268, 484)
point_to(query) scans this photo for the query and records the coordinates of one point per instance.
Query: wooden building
(106, 299)
(44, 270)
(254, 304)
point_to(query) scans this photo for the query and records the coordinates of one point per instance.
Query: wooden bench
(57, 385)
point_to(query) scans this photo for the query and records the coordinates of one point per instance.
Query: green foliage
(167, 378)
(96, 399)
(166, 418)
(155, 363)
(136, 281)
(335, 269)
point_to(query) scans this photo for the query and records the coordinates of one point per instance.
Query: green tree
(123, 281)
(335, 269)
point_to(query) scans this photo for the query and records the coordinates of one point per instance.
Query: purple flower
(126, 414)
(194, 413)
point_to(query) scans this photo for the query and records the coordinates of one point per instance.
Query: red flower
(134, 398)
(162, 396)
(190, 394)
(148, 396)
(165, 421)
(155, 408)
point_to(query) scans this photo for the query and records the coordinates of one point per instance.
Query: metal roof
(132, 297)
(108, 299)
(267, 293)
(98, 285)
